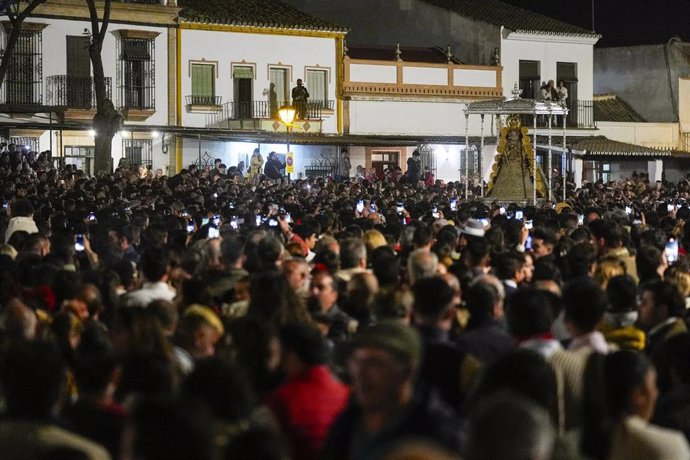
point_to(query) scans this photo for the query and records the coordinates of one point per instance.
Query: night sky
(620, 22)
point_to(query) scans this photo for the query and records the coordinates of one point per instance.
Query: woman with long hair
(619, 399)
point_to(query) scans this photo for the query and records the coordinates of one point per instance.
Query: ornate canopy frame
(517, 106)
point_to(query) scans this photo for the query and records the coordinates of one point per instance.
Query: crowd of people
(208, 315)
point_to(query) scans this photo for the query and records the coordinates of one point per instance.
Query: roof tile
(513, 18)
(609, 107)
(253, 13)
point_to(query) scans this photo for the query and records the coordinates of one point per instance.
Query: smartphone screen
(454, 204)
(92, 216)
(671, 251)
(502, 210)
(628, 210)
(528, 243)
(485, 222)
(360, 206)
(213, 232)
(528, 225)
(258, 220)
(216, 220)
(434, 212)
(518, 215)
(399, 207)
(581, 219)
(670, 207)
(288, 218)
(190, 226)
(79, 243)
(204, 221)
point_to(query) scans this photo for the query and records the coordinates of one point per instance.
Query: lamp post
(287, 115)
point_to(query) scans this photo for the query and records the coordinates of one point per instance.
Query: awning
(135, 50)
(602, 146)
(242, 72)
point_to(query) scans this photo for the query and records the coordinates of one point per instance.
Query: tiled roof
(253, 13)
(408, 54)
(609, 107)
(511, 17)
(602, 146)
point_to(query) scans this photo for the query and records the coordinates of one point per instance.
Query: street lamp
(287, 115)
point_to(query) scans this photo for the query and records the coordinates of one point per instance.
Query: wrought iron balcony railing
(204, 100)
(75, 92)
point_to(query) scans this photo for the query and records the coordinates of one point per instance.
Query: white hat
(473, 227)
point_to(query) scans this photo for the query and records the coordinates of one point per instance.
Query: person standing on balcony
(562, 92)
(300, 96)
(255, 164)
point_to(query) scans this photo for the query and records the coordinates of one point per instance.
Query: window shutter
(279, 79)
(202, 80)
(529, 70)
(316, 85)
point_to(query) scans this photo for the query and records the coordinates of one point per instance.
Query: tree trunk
(107, 121)
(16, 20)
(9, 50)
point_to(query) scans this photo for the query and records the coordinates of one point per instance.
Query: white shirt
(148, 293)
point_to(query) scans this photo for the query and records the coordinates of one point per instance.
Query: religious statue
(512, 173)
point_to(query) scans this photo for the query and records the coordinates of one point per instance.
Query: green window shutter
(202, 80)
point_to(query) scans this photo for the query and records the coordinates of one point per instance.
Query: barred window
(137, 74)
(81, 157)
(138, 151)
(23, 82)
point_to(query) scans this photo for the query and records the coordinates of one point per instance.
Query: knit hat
(472, 227)
(394, 337)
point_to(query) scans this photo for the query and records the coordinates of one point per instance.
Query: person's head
(622, 295)
(606, 268)
(483, 303)
(650, 262)
(581, 260)
(22, 208)
(617, 385)
(33, 375)
(660, 301)
(165, 428)
(422, 237)
(543, 242)
(297, 273)
(508, 426)
(509, 266)
(529, 313)
(433, 303)
(299, 82)
(155, 264)
(383, 365)
(198, 331)
(17, 321)
(224, 387)
(582, 317)
(302, 347)
(353, 253)
(421, 264)
(324, 291)
(386, 266)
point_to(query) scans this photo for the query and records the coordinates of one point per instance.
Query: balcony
(203, 104)
(580, 116)
(76, 94)
(264, 115)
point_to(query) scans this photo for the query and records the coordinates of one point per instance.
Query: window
(279, 84)
(317, 85)
(29, 143)
(137, 74)
(203, 84)
(137, 151)
(81, 157)
(24, 80)
(530, 79)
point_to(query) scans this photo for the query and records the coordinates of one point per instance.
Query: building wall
(646, 77)
(55, 58)
(259, 51)
(401, 117)
(657, 135)
(548, 51)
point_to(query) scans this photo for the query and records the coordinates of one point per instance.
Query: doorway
(78, 84)
(243, 77)
(382, 160)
